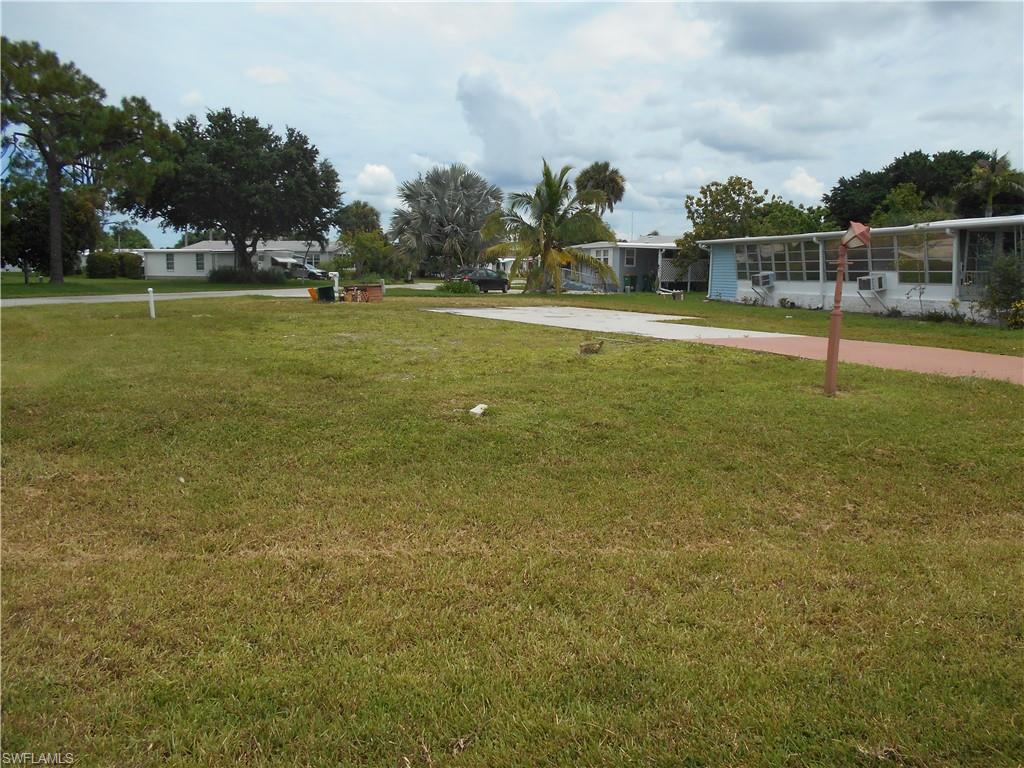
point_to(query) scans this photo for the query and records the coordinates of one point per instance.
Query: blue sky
(673, 95)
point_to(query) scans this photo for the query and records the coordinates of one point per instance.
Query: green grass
(662, 555)
(12, 286)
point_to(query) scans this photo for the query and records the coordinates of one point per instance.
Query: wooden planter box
(370, 292)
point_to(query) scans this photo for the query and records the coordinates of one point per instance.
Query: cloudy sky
(673, 95)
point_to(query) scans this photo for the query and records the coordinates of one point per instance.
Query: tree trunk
(243, 258)
(26, 270)
(53, 192)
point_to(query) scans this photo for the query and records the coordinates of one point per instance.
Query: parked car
(310, 272)
(484, 279)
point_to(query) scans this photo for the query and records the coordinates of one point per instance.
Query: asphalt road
(114, 298)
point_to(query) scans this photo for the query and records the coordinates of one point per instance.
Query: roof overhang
(993, 222)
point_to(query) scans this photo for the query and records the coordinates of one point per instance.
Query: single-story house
(646, 263)
(198, 259)
(917, 268)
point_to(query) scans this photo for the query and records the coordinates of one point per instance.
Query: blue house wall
(723, 273)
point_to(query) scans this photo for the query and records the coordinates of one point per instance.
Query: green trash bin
(325, 293)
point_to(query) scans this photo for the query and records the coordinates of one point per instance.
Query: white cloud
(499, 86)
(422, 163)
(802, 184)
(192, 99)
(646, 33)
(514, 135)
(265, 75)
(375, 180)
(732, 128)
(425, 21)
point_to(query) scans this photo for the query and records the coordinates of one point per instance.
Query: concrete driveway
(612, 321)
(902, 357)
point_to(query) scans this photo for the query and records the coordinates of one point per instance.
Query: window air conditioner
(763, 280)
(873, 283)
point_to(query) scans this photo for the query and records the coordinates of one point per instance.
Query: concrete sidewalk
(901, 357)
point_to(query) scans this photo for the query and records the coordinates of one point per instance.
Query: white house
(646, 264)
(198, 259)
(923, 267)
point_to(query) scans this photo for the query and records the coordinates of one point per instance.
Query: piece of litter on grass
(478, 410)
(181, 480)
(789, 317)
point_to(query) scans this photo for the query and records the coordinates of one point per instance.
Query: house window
(170, 262)
(200, 262)
(812, 267)
(630, 260)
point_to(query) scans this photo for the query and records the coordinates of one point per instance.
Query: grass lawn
(12, 286)
(267, 532)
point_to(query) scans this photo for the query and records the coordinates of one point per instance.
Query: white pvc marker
(152, 304)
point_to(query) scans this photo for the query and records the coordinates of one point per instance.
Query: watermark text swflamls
(37, 758)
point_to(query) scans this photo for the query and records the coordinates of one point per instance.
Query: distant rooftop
(647, 241)
(268, 245)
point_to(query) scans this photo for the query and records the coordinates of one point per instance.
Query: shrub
(365, 278)
(938, 316)
(236, 275)
(457, 286)
(1005, 285)
(372, 255)
(130, 266)
(102, 264)
(1015, 315)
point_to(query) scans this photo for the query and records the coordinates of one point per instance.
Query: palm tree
(602, 178)
(535, 223)
(443, 216)
(993, 175)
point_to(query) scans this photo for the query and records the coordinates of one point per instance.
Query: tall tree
(234, 174)
(442, 219)
(725, 209)
(358, 216)
(536, 224)
(587, 229)
(734, 208)
(56, 111)
(993, 175)
(937, 176)
(25, 227)
(606, 181)
(905, 205)
(781, 217)
(59, 112)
